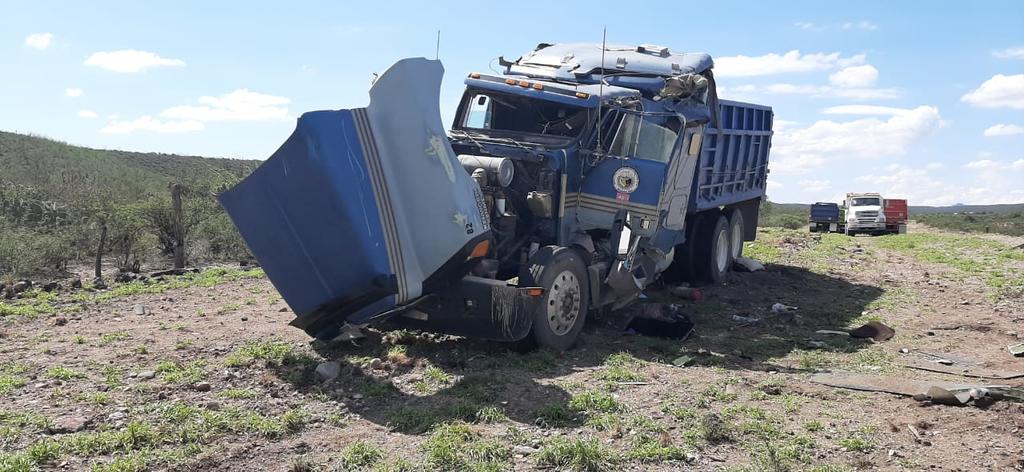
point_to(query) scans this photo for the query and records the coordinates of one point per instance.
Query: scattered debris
(1016, 349)
(746, 320)
(658, 320)
(874, 330)
(202, 386)
(918, 436)
(747, 264)
(688, 293)
(944, 393)
(780, 308)
(830, 331)
(50, 286)
(682, 361)
(328, 370)
(68, 424)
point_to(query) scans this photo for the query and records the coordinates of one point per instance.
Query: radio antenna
(437, 49)
(600, 91)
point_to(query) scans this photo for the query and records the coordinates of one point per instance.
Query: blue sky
(923, 100)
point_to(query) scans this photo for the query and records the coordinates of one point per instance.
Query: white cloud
(1010, 53)
(790, 62)
(855, 76)
(999, 91)
(861, 25)
(865, 110)
(239, 105)
(39, 40)
(73, 92)
(148, 123)
(1003, 130)
(815, 91)
(982, 164)
(800, 150)
(934, 165)
(130, 61)
(89, 114)
(808, 26)
(1017, 165)
(773, 185)
(815, 185)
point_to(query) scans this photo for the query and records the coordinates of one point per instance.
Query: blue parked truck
(825, 217)
(566, 185)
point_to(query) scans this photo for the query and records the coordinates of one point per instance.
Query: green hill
(57, 170)
(61, 203)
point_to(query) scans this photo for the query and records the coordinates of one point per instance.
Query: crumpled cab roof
(577, 61)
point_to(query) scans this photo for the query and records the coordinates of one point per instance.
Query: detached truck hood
(360, 210)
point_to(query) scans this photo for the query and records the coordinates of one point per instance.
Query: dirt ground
(211, 377)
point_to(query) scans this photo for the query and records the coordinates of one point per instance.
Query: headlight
(880, 219)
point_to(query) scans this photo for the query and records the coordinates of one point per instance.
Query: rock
(283, 309)
(116, 416)
(68, 424)
(375, 363)
(77, 283)
(98, 283)
(50, 286)
(60, 321)
(328, 370)
(214, 406)
(202, 386)
(523, 450)
(147, 374)
(21, 286)
(139, 309)
(245, 318)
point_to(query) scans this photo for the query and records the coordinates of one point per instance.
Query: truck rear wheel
(735, 234)
(712, 256)
(558, 321)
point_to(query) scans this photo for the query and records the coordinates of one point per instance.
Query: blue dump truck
(567, 184)
(825, 218)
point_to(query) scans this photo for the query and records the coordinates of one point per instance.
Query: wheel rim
(737, 239)
(563, 302)
(722, 251)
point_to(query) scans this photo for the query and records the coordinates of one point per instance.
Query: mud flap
(476, 307)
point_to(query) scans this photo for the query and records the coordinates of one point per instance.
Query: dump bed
(733, 163)
(822, 212)
(895, 211)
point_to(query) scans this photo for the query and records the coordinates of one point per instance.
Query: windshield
(866, 201)
(512, 113)
(642, 138)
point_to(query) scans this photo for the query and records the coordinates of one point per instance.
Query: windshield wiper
(475, 136)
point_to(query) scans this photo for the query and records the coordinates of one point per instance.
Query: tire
(735, 235)
(558, 321)
(711, 256)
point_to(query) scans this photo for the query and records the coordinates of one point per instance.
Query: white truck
(864, 213)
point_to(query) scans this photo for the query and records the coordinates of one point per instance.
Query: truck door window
(641, 138)
(479, 113)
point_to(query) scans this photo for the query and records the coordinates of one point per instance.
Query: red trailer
(895, 215)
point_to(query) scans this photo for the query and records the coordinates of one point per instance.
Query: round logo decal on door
(626, 180)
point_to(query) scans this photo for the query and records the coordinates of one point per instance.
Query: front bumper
(865, 226)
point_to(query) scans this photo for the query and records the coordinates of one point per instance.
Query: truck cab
(864, 213)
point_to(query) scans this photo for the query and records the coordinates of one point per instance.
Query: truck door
(679, 179)
(633, 174)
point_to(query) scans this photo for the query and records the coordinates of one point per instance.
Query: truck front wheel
(558, 321)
